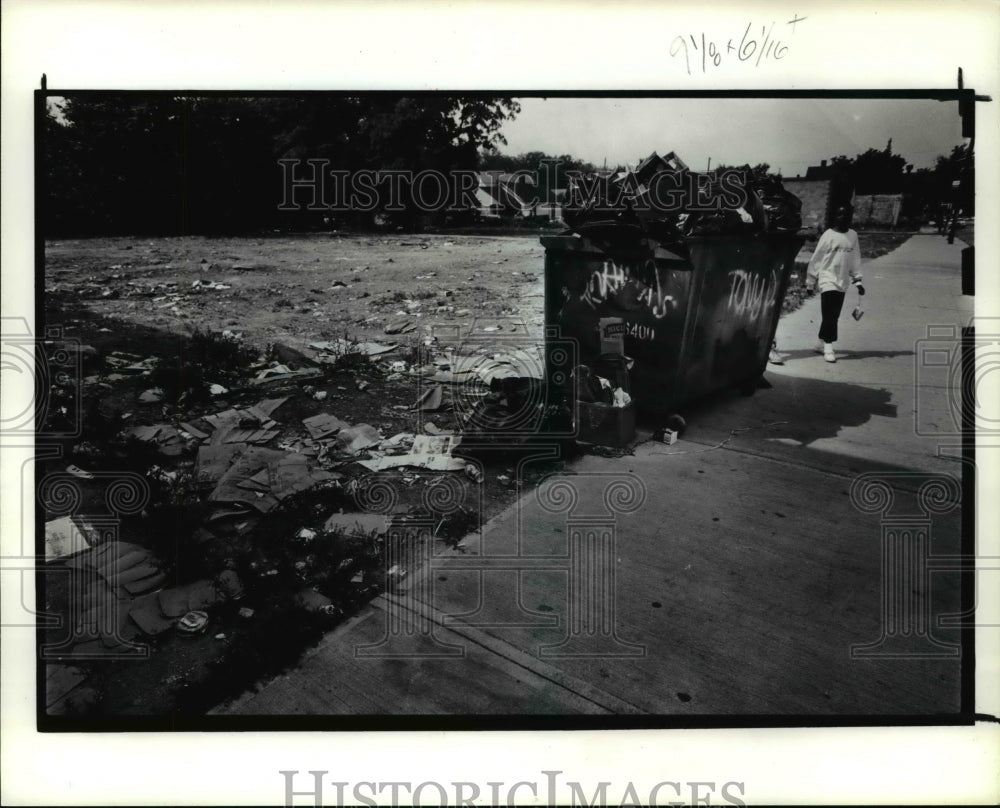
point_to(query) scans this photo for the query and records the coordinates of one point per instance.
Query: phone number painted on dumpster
(699, 51)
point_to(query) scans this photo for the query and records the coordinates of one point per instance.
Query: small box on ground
(605, 424)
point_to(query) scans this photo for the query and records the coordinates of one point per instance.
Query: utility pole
(709, 166)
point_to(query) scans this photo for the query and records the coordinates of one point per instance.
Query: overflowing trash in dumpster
(662, 199)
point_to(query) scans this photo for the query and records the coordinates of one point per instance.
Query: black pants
(830, 304)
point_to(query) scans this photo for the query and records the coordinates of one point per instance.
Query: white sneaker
(828, 354)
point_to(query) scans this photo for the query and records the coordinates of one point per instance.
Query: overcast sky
(789, 134)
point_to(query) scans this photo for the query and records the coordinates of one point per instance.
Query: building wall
(815, 196)
(877, 209)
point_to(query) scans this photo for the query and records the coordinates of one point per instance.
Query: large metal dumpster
(693, 325)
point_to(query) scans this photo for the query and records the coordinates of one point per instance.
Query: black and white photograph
(449, 405)
(365, 410)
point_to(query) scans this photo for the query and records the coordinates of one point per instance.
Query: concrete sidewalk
(732, 573)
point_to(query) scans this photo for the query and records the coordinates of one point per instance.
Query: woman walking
(835, 264)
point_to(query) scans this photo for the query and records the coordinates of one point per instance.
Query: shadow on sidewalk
(843, 355)
(797, 409)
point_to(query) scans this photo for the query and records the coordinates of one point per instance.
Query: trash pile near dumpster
(664, 200)
(267, 482)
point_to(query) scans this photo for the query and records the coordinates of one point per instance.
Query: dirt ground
(294, 289)
(147, 297)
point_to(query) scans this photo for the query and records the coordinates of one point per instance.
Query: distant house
(500, 195)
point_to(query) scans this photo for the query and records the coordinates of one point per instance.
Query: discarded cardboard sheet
(400, 325)
(323, 425)
(213, 461)
(145, 612)
(167, 439)
(287, 473)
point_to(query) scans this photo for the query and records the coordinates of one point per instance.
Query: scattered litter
(68, 536)
(286, 473)
(193, 431)
(245, 612)
(284, 373)
(398, 366)
(473, 472)
(306, 534)
(320, 395)
(312, 601)
(180, 600)
(358, 524)
(400, 325)
(323, 425)
(342, 346)
(665, 435)
(76, 471)
(363, 385)
(217, 390)
(402, 440)
(192, 623)
(353, 439)
(429, 452)
(167, 439)
(229, 585)
(220, 636)
(152, 396)
(433, 429)
(432, 399)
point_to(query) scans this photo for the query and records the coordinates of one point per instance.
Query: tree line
(171, 164)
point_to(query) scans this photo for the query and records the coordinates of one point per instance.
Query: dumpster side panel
(741, 285)
(649, 293)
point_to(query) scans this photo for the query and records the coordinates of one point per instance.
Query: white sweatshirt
(836, 262)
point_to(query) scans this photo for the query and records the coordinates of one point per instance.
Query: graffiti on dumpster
(614, 281)
(751, 295)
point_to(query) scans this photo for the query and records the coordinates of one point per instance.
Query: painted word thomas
(311, 786)
(314, 185)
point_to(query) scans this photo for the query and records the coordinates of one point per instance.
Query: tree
(164, 163)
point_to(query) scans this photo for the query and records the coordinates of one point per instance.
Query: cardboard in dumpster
(605, 424)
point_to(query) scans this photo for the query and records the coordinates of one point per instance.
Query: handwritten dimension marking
(747, 49)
